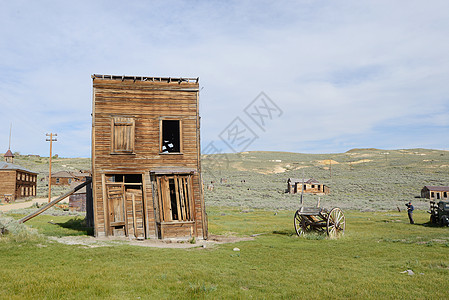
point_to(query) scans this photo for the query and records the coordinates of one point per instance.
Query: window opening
(171, 141)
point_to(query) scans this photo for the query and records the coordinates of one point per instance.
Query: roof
(13, 167)
(80, 174)
(74, 184)
(437, 188)
(62, 174)
(146, 78)
(9, 153)
(308, 181)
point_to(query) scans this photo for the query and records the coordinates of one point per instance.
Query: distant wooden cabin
(15, 181)
(310, 186)
(65, 178)
(146, 169)
(62, 178)
(435, 192)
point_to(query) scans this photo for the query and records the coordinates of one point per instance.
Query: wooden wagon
(320, 219)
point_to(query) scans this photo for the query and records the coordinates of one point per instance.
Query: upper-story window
(123, 135)
(170, 136)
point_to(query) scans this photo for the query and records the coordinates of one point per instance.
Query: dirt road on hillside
(19, 205)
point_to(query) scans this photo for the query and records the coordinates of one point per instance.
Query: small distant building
(66, 178)
(62, 178)
(435, 192)
(78, 201)
(311, 186)
(15, 181)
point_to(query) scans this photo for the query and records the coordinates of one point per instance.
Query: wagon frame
(319, 219)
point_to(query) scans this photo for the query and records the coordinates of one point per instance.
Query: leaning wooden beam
(48, 205)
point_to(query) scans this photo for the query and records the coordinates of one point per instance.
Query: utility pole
(51, 139)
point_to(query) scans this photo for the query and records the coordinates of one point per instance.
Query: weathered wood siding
(60, 181)
(140, 106)
(7, 183)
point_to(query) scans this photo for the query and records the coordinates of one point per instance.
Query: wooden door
(135, 213)
(116, 210)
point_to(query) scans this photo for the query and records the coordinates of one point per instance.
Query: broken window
(445, 194)
(175, 198)
(170, 136)
(123, 135)
(432, 195)
(319, 187)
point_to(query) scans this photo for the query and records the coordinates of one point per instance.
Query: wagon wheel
(335, 223)
(302, 225)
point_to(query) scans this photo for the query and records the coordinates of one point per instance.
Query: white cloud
(340, 71)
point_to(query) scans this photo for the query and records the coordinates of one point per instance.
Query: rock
(409, 272)
(236, 249)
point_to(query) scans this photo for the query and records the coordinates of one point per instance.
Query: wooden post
(51, 140)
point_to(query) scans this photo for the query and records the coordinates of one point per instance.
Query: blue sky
(344, 74)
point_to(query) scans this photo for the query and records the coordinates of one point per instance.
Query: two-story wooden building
(146, 171)
(15, 181)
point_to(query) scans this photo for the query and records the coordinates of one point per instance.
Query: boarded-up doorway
(125, 205)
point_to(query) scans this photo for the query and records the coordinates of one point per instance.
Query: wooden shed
(146, 171)
(311, 186)
(16, 182)
(435, 192)
(66, 178)
(62, 178)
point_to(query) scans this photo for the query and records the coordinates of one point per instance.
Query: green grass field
(366, 263)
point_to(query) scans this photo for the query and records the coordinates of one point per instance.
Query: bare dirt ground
(92, 242)
(20, 205)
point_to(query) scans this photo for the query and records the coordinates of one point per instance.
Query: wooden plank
(48, 205)
(178, 204)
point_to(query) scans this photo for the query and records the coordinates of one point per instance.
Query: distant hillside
(365, 179)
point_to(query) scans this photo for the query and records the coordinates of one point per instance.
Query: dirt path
(19, 205)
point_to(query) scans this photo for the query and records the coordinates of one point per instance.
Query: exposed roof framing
(145, 78)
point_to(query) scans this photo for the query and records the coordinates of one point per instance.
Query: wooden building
(146, 171)
(81, 199)
(435, 192)
(62, 178)
(66, 178)
(310, 186)
(16, 182)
